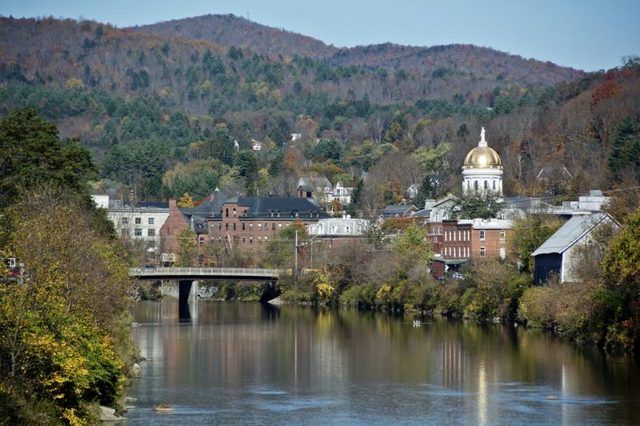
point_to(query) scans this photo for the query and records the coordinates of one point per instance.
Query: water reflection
(247, 362)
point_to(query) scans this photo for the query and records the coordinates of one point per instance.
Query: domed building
(482, 170)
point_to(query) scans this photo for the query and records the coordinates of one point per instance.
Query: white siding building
(338, 227)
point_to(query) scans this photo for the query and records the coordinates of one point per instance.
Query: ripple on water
(518, 392)
(441, 391)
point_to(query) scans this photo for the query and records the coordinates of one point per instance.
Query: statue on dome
(482, 135)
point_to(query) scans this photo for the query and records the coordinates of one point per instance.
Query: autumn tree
(186, 247)
(64, 339)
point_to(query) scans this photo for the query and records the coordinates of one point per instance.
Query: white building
(139, 223)
(338, 227)
(482, 170)
(341, 194)
(101, 201)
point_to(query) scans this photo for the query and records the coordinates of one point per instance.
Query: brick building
(490, 237)
(169, 232)
(249, 221)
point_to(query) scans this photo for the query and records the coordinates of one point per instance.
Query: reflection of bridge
(188, 277)
(247, 274)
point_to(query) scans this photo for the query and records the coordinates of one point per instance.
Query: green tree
(414, 244)
(478, 205)
(32, 154)
(528, 234)
(247, 165)
(221, 145)
(625, 150)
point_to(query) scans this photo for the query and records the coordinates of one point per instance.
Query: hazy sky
(585, 34)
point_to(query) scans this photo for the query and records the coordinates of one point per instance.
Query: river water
(248, 363)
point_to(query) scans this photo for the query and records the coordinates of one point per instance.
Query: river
(248, 363)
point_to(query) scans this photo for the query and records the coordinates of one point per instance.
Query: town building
(338, 227)
(250, 221)
(482, 170)
(559, 254)
(176, 222)
(139, 223)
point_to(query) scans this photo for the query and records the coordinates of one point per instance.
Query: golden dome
(482, 157)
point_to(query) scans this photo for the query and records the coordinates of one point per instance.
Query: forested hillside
(161, 106)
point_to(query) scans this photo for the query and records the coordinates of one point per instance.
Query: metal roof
(572, 231)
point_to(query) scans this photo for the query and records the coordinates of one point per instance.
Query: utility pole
(295, 254)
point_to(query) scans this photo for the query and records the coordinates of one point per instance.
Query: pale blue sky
(585, 34)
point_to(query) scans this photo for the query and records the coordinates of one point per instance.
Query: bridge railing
(194, 271)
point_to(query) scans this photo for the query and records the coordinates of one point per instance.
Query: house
(559, 254)
(338, 197)
(398, 210)
(317, 188)
(256, 145)
(250, 221)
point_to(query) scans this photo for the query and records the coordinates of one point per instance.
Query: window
(250, 239)
(243, 226)
(259, 227)
(494, 185)
(486, 185)
(137, 232)
(273, 226)
(124, 221)
(251, 225)
(151, 232)
(234, 226)
(226, 226)
(279, 225)
(475, 184)
(481, 251)
(150, 221)
(227, 213)
(482, 235)
(124, 232)
(503, 253)
(234, 212)
(138, 220)
(244, 240)
(503, 235)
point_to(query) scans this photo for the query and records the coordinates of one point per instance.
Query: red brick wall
(175, 223)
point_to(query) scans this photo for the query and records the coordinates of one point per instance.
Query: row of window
(457, 252)
(260, 227)
(465, 235)
(458, 236)
(460, 252)
(244, 239)
(137, 220)
(137, 232)
(486, 185)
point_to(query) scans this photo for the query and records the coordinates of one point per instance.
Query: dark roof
(398, 209)
(272, 206)
(153, 204)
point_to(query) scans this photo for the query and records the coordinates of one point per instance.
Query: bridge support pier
(187, 292)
